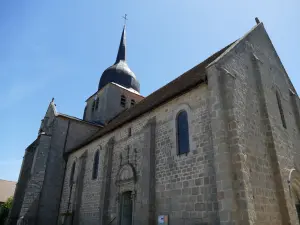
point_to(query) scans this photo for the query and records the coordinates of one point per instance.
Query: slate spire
(122, 48)
(119, 72)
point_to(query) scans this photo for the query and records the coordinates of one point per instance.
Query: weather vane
(125, 19)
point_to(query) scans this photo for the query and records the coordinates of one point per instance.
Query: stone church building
(217, 145)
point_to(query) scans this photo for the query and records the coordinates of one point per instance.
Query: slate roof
(120, 72)
(180, 85)
(7, 189)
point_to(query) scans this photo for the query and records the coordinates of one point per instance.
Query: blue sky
(60, 49)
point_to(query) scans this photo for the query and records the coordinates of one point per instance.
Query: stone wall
(243, 86)
(92, 188)
(24, 177)
(240, 151)
(48, 205)
(41, 178)
(185, 184)
(78, 132)
(34, 186)
(108, 109)
(65, 134)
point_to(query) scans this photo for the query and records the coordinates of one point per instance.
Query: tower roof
(119, 72)
(122, 47)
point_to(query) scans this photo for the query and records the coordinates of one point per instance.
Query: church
(219, 145)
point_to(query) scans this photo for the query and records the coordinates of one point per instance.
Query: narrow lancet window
(280, 109)
(182, 133)
(72, 174)
(96, 165)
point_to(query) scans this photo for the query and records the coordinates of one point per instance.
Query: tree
(4, 210)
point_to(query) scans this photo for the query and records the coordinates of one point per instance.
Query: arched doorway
(294, 185)
(298, 209)
(126, 208)
(126, 194)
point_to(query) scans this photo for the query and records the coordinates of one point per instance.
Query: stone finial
(52, 100)
(257, 20)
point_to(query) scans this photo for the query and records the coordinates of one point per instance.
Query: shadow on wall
(29, 217)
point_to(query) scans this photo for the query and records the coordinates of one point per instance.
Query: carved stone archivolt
(125, 182)
(294, 184)
(126, 174)
(126, 177)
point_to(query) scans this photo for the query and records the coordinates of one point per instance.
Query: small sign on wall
(163, 220)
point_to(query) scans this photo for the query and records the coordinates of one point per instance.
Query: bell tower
(118, 90)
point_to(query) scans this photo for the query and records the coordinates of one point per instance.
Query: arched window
(182, 126)
(96, 165)
(280, 109)
(97, 103)
(132, 102)
(294, 189)
(123, 101)
(72, 173)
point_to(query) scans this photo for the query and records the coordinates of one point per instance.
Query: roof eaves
(112, 83)
(131, 91)
(94, 94)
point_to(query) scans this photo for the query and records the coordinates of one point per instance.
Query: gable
(257, 40)
(48, 120)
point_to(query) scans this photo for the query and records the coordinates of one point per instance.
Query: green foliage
(4, 210)
(8, 203)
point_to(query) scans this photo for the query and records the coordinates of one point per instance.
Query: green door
(126, 209)
(298, 210)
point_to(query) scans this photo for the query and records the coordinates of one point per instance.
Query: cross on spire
(125, 19)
